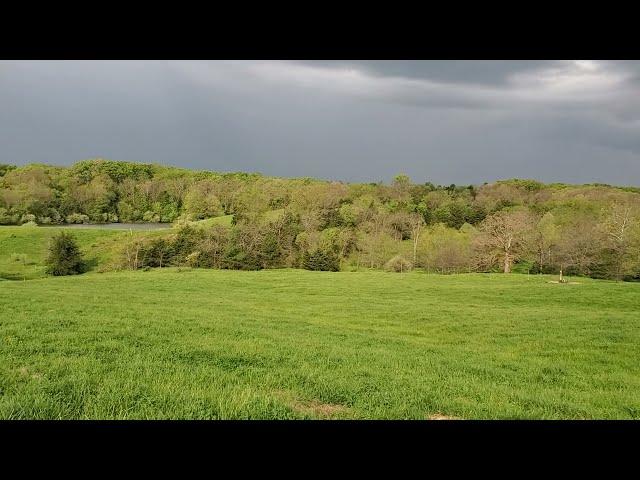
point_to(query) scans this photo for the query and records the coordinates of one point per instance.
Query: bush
(29, 224)
(7, 218)
(150, 216)
(157, 252)
(106, 217)
(321, 260)
(64, 256)
(28, 218)
(77, 218)
(398, 264)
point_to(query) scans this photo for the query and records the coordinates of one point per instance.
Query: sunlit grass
(186, 343)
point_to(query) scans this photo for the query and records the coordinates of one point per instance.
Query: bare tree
(417, 222)
(617, 227)
(545, 237)
(578, 245)
(503, 238)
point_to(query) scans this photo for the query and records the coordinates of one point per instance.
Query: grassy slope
(33, 242)
(98, 246)
(224, 220)
(296, 344)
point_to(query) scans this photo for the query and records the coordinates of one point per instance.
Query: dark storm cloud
(488, 72)
(443, 121)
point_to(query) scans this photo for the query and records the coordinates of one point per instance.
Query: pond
(114, 226)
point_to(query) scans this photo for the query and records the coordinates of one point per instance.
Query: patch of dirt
(25, 372)
(440, 416)
(314, 408)
(319, 409)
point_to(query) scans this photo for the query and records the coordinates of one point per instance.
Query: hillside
(267, 222)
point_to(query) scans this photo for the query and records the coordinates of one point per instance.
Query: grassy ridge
(297, 344)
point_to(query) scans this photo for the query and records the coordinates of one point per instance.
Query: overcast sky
(441, 121)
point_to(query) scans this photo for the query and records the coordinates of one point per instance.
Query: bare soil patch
(440, 416)
(314, 408)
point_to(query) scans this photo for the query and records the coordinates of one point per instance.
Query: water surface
(114, 226)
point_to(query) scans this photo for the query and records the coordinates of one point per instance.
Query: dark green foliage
(456, 214)
(64, 256)
(503, 204)
(236, 257)
(321, 260)
(117, 171)
(4, 168)
(525, 184)
(270, 250)
(536, 268)
(184, 243)
(158, 253)
(330, 218)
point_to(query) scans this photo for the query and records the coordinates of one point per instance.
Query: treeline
(522, 225)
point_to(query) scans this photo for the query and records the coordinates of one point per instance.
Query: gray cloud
(441, 121)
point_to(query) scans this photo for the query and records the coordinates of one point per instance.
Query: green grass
(224, 220)
(98, 246)
(295, 344)
(33, 242)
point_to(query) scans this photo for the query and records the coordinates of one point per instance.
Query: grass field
(24, 249)
(295, 344)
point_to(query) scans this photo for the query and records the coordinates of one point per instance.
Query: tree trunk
(507, 263)
(561, 279)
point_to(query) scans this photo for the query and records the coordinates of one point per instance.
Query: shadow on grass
(13, 276)
(90, 264)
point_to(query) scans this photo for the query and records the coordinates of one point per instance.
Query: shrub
(398, 264)
(150, 216)
(28, 218)
(64, 256)
(157, 252)
(193, 259)
(106, 217)
(321, 260)
(29, 224)
(77, 218)
(7, 218)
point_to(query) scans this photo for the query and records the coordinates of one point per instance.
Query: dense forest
(508, 225)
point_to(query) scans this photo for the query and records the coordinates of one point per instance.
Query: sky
(365, 121)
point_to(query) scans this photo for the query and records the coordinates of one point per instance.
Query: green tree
(321, 260)
(64, 256)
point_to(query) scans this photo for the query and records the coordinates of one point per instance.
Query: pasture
(210, 344)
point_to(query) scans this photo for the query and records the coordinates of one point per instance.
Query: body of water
(114, 226)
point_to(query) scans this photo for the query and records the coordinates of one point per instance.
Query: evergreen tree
(64, 256)
(321, 260)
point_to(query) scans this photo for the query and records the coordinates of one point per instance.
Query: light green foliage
(445, 250)
(398, 264)
(201, 201)
(282, 219)
(77, 218)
